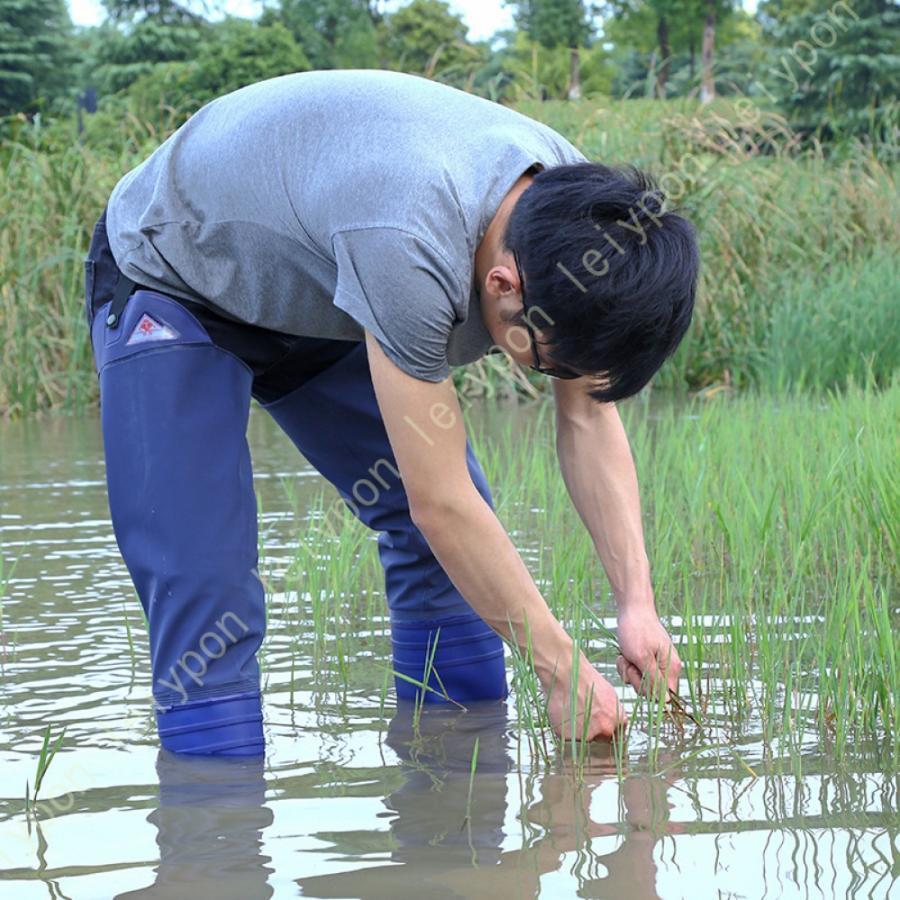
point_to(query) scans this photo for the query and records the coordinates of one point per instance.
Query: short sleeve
(403, 290)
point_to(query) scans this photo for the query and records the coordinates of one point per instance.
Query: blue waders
(176, 380)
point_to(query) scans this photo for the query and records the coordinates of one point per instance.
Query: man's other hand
(649, 660)
(596, 699)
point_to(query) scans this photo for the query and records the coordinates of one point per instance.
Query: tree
(839, 69)
(554, 23)
(235, 53)
(34, 56)
(425, 37)
(522, 69)
(671, 26)
(138, 36)
(169, 11)
(663, 26)
(333, 33)
(774, 13)
(238, 52)
(707, 84)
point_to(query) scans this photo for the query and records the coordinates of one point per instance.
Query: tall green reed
(776, 226)
(771, 529)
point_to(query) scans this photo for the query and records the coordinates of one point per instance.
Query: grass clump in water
(771, 527)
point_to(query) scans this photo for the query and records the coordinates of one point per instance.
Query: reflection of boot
(429, 832)
(209, 829)
(431, 806)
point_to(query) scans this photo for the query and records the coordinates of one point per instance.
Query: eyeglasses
(544, 370)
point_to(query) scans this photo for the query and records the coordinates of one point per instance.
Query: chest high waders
(176, 380)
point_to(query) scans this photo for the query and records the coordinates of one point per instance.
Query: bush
(835, 323)
(236, 52)
(797, 272)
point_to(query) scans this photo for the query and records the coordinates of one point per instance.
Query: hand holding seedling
(648, 660)
(473, 547)
(599, 473)
(596, 712)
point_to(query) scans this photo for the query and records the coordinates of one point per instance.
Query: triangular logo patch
(150, 329)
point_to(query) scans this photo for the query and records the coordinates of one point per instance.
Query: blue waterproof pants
(176, 381)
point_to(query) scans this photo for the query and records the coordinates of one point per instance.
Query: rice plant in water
(771, 529)
(45, 757)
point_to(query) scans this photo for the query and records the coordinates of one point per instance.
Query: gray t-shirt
(323, 202)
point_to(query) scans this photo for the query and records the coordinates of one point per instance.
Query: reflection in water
(444, 840)
(507, 832)
(209, 823)
(343, 809)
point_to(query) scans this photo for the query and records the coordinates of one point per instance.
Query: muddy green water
(349, 801)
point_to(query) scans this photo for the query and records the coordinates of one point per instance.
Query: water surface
(352, 799)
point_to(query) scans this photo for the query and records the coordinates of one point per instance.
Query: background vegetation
(775, 132)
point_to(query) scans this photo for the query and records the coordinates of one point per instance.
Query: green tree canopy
(34, 57)
(426, 37)
(138, 36)
(667, 35)
(334, 34)
(555, 23)
(838, 69)
(236, 52)
(559, 23)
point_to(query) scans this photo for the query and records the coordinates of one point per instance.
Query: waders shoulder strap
(124, 288)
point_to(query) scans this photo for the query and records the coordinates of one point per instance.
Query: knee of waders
(458, 657)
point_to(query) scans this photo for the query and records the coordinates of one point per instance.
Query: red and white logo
(150, 329)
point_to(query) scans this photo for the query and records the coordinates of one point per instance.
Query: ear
(503, 279)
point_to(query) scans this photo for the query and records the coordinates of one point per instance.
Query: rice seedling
(327, 591)
(468, 817)
(424, 685)
(771, 529)
(43, 764)
(770, 525)
(677, 708)
(531, 705)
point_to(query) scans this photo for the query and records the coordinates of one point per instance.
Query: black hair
(610, 273)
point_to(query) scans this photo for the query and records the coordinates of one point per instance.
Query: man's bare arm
(599, 473)
(425, 427)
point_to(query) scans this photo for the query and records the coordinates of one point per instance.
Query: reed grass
(777, 228)
(771, 529)
(771, 526)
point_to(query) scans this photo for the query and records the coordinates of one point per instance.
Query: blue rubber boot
(334, 421)
(174, 411)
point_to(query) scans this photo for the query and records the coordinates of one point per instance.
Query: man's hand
(647, 650)
(596, 698)
(599, 473)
